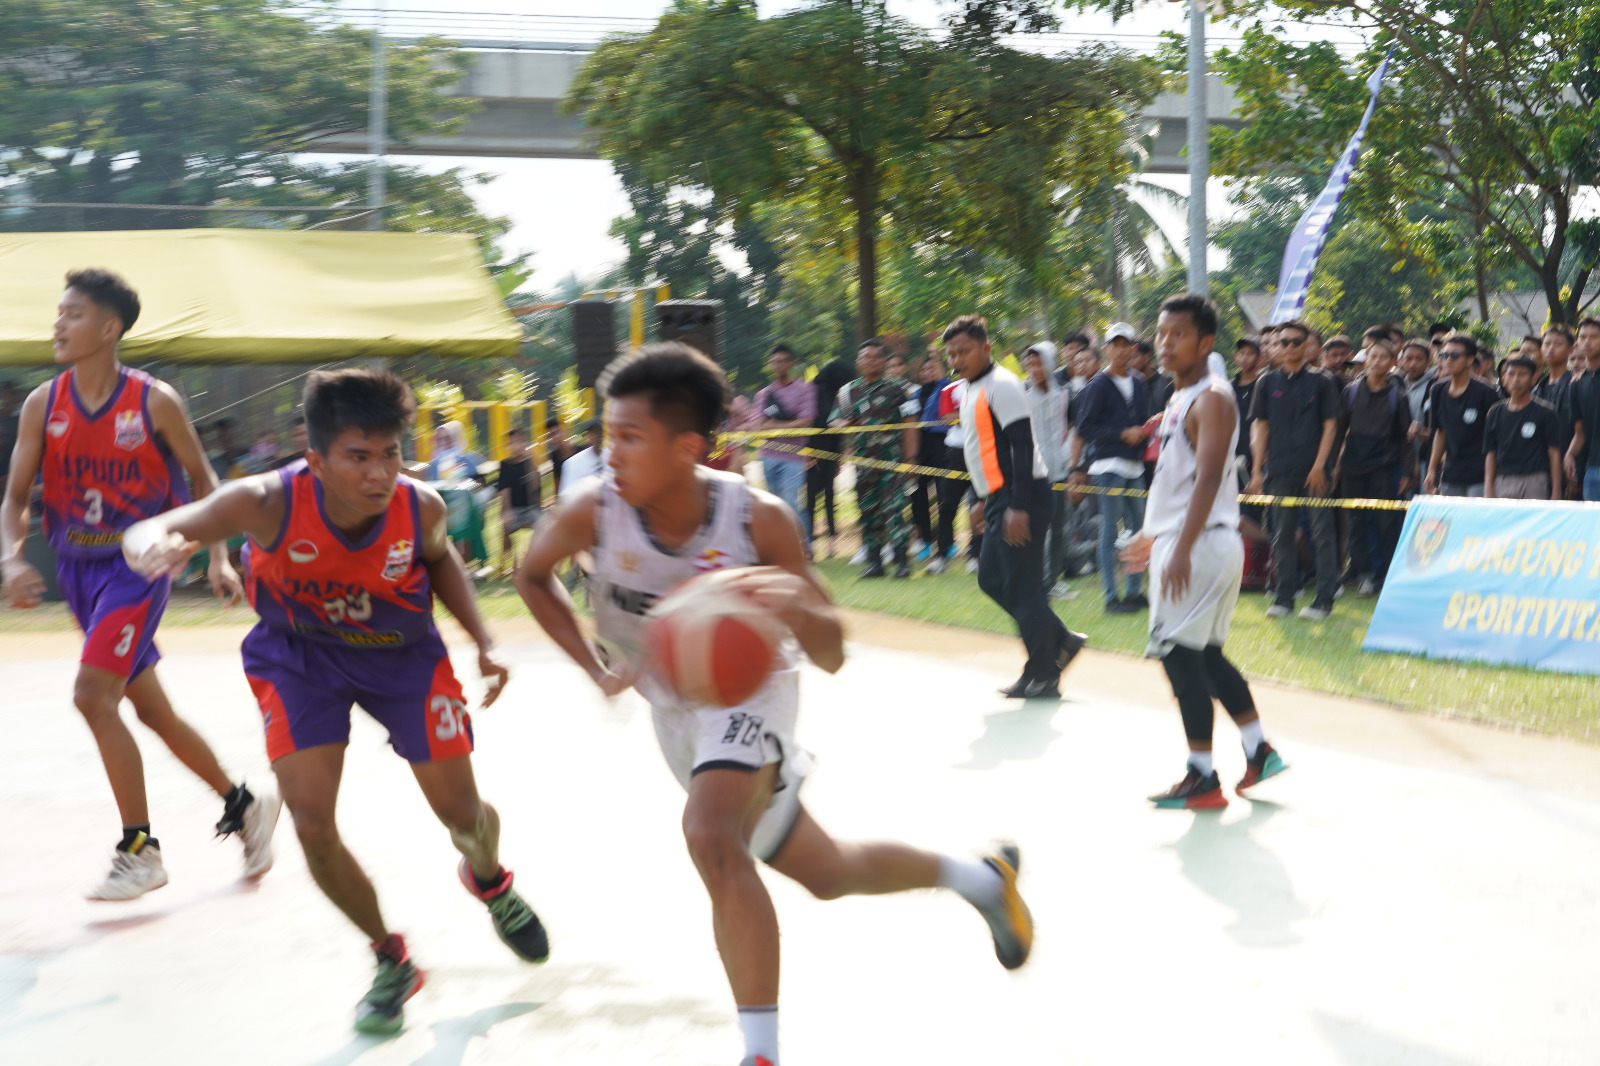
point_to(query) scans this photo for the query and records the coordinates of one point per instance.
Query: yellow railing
(501, 415)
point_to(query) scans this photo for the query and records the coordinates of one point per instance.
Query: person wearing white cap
(1112, 410)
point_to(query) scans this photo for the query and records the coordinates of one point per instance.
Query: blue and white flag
(1311, 232)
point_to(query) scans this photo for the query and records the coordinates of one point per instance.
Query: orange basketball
(713, 645)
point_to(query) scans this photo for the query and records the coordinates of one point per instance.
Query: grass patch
(1321, 656)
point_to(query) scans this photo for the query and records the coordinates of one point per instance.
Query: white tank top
(632, 570)
(1173, 482)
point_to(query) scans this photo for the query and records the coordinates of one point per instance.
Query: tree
(962, 142)
(1489, 115)
(202, 102)
(1132, 237)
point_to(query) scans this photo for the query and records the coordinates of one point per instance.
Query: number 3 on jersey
(94, 508)
(449, 717)
(128, 633)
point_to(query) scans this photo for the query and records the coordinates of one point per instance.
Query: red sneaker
(1193, 793)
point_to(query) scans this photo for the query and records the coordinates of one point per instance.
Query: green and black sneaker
(514, 921)
(382, 1010)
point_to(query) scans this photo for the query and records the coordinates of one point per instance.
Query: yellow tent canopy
(265, 296)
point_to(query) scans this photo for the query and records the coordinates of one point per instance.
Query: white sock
(1201, 761)
(760, 1028)
(974, 881)
(1250, 736)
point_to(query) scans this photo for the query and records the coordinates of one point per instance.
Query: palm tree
(1133, 238)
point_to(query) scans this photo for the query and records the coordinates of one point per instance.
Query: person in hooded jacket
(1047, 407)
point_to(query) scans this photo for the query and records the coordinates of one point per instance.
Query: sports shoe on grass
(1193, 793)
(1011, 923)
(1280, 610)
(514, 921)
(132, 874)
(1265, 763)
(1317, 612)
(382, 1010)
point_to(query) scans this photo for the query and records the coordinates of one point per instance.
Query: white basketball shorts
(747, 737)
(1202, 616)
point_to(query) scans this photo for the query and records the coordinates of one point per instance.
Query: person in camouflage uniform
(881, 495)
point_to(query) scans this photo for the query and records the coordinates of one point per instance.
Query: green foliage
(961, 143)
(1489, 118)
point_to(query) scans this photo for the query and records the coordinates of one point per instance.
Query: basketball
(713, 645)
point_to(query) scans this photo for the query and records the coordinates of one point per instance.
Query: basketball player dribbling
(655, 518)
(344, 558)
(1190, 544)
(113, 445)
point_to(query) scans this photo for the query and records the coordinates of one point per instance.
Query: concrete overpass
(521, 90)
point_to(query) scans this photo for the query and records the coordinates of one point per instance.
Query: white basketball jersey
(632, 570)
(1173, 482)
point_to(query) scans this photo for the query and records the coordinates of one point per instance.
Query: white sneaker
(1368, 587)
(1315, 613)
(1063, 591)
(936, 565)
(260, 819)
(859, 557)
(132, 875)
(972, 566)
(1278, 610)
(887, 554)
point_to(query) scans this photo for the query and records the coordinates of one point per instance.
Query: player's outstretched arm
(786, 583)
(23, 585)
(448, 576)
(170, 418)
(161, 546)
(564, 532)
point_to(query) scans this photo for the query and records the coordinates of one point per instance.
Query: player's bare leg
(452, 792)
(155, 710)
(829, 869)
(309, 783)
(97, 694)
(723, 808)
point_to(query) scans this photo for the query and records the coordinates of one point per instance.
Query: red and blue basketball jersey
(104, 470)
(316, 582)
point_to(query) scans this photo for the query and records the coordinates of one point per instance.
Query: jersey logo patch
(398, 560)
(57, 426)
(129, 430)
(628, 561)
(302, 551)
(711, 559)
(1470, 415)
(1528, 430)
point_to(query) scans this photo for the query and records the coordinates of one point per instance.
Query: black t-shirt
(1375, 426)
(1463, 419)
(1583, 405)
(1295, 407)
(1242, 392)
(1521, 440)
(513, 478)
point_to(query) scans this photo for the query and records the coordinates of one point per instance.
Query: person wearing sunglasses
(1458, 411)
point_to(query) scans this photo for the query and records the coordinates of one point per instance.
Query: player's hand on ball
(785, 594)
(1136, 556)
(166, 556)
(612, 684)
(495, 674)
(23, 585)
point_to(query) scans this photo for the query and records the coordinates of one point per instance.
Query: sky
(561, 209)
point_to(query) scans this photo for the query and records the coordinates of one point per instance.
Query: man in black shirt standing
(821, 474)
(1583, 413)
(1555, 350)
(1521, 442)
(518, 482)
(1293, 417)
(1247, 357)
(1458, 410)
(1376, 462)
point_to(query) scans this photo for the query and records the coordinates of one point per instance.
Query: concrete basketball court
(1413, 891)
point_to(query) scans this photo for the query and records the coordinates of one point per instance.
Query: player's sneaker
(514, 921)
(1279, 610)
(133, 873)
(1031, 688)
(1265, 763)
(1011, 923)
(255, 822)
(1194, 793)
(382, 1010)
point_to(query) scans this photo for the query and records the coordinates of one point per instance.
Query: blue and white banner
(1500, 581)
(1311, 232)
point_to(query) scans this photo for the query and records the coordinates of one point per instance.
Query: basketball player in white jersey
(657, 517)
(1190, 543)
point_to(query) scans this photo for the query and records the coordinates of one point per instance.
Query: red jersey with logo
(316, 582)
(104, 470)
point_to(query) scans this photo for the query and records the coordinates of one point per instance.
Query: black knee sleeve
(1186, 669)
(1227, 683)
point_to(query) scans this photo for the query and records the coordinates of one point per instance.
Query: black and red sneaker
(1196, 792)
(514, 921)
(1265, 763)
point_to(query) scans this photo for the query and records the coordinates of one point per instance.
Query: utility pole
(377, 123)
(1199, 148)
